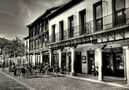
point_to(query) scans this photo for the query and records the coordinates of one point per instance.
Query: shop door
(78, 63)
(69, 62)
(45, 58)
(63, 61)
(107, 63)
(91, 62)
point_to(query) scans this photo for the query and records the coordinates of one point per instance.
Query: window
(61, 30)
(119, 15)
(30, 32)
(70, 27)
(82, 20)
(53, 33)
(119, 4)
(98, 16)
(42, 38)
(34, 31)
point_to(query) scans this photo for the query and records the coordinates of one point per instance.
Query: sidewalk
(66, 82)
(107, 80)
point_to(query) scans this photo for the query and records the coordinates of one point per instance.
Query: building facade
(91, 37)
(26, 43)
(36, 43)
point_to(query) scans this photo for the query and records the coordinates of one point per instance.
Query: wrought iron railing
(90, 27)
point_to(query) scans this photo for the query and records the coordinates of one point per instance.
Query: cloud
(16, 14)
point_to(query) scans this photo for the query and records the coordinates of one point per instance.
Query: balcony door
(53, 33)
(98, 20)
(71, 27)
(61, 30)
(119, 15)
(82, 19)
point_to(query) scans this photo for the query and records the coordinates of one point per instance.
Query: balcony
(90, 32)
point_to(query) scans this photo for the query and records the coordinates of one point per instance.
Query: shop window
(119, 62)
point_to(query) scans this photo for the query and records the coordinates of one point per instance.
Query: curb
(29, 87)
(97, 81)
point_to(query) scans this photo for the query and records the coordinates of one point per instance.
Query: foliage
(12, 48)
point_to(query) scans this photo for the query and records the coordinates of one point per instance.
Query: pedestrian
(3, 65)
(15, 70)
(23, 71)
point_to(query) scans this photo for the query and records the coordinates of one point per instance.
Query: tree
(12, 48)
(17, 47)
(3, 43)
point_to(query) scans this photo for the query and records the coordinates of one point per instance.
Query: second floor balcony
(108, 23)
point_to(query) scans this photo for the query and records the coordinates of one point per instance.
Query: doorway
(69, 62)
(78, 62)
(63, 62)
(91, 61)
(45, 59)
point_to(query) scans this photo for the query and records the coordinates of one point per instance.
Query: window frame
(82, 14)
(61, 30)
(115, 12)
(53, 33)
(97, 19)
(70, 27)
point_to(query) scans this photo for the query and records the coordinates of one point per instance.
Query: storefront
(45, 57)
(113, 62)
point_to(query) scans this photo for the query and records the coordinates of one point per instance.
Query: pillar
(126, 48)
(33, 59)
(72, 59)
(29, 59)
(50, 58)
(98, 57)
(60, 58)
(41, 57)
(124, 59)
(67, 62)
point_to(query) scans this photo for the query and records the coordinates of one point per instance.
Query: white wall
(88, 5)
(26, 42)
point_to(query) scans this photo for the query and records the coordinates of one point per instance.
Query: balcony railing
(90, 28)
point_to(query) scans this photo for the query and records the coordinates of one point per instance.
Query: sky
(15, 15)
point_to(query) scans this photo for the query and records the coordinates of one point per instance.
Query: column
(50, 58)
(126, 48)
(67, 62)
(72, 59)
(33, 59)
(98, 57)
(124, 61)
(41, 57)
(29, 59)
(60, 58)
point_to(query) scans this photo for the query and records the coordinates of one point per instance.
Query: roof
(64, 8)
(44, 15)
(25, 38)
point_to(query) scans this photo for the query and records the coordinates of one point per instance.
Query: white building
(91, 35)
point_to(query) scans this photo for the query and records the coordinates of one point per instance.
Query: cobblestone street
(56, 83)
(9, 84)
